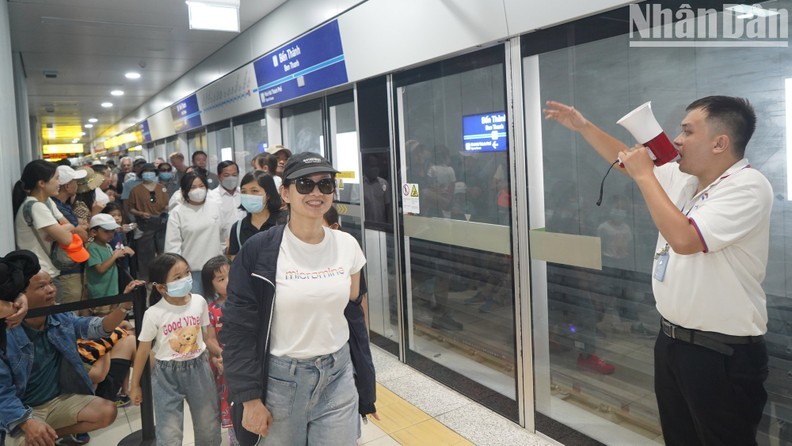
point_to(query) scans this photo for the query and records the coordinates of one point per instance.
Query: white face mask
(101, 197)
(197, 195)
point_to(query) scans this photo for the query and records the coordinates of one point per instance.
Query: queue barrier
(145, 436)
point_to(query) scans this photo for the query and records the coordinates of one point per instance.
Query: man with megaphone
(712, 211)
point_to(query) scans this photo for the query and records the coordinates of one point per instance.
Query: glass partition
(303, 127)
(454, 186)
(250, 136)
(609, 313)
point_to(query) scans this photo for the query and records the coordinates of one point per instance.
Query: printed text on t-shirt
(185, 321)
(313, 275)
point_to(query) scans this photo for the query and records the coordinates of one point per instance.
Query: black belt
(707, 339)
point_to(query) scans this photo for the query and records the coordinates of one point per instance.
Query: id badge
(660, 266)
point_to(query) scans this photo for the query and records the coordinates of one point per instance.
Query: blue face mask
(252, 203)
(166, 176)
(181, 287)
(149, 177)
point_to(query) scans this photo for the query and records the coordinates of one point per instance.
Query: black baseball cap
(306, 163)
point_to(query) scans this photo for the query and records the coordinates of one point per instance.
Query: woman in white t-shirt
(194, 230)
(178, 325)
(39, 183)
(287, 359)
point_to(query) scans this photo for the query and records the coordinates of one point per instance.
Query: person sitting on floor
(47, 393)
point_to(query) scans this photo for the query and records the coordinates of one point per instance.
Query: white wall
(379, 36)
(9, 143)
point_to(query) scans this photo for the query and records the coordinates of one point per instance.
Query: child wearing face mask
(177, 326)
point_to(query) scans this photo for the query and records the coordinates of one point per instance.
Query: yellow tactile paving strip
(409, 425)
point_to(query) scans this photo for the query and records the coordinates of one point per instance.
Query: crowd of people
(173, 229)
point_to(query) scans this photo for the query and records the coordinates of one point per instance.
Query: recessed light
(117, 92)
(107, 104)
(132, 75)
(93, 120)
(88, 126)
(82, 133)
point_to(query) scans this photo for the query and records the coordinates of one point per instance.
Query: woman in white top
(39, 183)
(194, 230)
(287, 359)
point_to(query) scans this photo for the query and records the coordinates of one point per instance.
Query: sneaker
(122, 401)
(595, 364)
(446, 322)
(74, 439)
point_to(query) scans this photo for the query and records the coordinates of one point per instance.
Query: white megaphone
(643, 126)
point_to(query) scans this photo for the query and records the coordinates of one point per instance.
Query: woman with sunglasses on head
(261, 201)
(148, 201)
(287, 359)
(194, 229)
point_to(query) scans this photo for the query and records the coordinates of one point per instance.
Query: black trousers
(707, 398)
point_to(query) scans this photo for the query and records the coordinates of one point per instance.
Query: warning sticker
(411, 203)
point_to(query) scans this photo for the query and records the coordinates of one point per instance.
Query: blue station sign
(185, 114)
(484, 132)
(312, 63)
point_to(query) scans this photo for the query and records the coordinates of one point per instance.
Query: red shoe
(595, 364)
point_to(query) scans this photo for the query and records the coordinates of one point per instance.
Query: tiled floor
(413, 410)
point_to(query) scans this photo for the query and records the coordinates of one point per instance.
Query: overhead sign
(144, 130)
(185, 114)
(51, 149)
(484, 132)
(312, 63)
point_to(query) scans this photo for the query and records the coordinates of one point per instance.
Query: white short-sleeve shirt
(44, 214)
(311, 293)
(176, 330)
(720, 289)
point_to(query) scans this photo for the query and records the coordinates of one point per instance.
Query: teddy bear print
(184, 340)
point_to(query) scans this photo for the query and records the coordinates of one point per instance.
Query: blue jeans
(172, 383)
(312, 401)
(197, 286)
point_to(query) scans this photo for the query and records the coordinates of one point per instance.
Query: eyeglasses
(306, 185)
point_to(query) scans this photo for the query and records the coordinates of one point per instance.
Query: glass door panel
(454, 188)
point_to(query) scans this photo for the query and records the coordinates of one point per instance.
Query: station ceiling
(75, 52)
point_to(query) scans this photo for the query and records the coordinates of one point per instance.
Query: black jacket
(247, 322)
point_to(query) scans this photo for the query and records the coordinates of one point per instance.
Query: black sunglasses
(306, 185)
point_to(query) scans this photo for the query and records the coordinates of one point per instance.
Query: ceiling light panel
(214, 15)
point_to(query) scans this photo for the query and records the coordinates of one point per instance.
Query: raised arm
(606, 145)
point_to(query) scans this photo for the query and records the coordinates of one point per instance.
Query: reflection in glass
(460, 301)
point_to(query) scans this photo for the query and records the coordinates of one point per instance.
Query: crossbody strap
(27, 214)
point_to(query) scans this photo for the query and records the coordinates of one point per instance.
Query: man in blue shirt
(45, 392)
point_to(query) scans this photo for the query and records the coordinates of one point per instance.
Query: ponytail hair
(34, 171)
(158, 273)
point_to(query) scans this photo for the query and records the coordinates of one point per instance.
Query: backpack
(58, 256)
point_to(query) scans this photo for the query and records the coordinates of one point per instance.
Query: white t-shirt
(176, 330)
(720, 289)
(311, 293)
(42, 214)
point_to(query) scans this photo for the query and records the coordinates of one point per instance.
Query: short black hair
(207, 275)
(735, 114)
(225, 164)
(196, 153)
